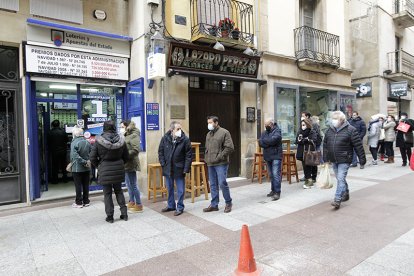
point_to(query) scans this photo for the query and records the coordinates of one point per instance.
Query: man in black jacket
(340, 141)
(174, 154)
(271, 142)
(58, 147)
(357, 122)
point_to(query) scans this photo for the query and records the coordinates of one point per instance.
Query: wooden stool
(194, 184)
(259, 167)
(152, 181)
(289, 167)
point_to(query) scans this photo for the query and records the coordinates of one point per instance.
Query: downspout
(258, 88)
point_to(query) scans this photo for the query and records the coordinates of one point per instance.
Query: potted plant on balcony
(235, 34)
(213, 30)
(226, 25)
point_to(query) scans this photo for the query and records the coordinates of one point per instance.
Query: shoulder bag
(312, 158)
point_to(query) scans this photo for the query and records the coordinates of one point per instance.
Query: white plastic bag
(324, 179)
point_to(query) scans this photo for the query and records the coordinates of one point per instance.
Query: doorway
(222, 99)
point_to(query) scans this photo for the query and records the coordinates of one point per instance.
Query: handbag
(324, 179)
(312, 158)
(69, 167)
(404, 127)
(412, 162)
(382, 134)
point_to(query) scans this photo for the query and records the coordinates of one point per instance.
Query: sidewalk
(300, 234)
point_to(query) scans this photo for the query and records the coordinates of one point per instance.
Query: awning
(172, 72)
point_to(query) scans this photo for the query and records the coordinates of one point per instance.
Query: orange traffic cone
(247, 263)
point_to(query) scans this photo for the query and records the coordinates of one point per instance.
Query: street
(301, 234)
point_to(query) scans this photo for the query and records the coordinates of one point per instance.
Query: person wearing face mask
(306, 139)
(132, 166)
(175, 156)
(219, 146)
(389, 139)
(339, 143)
(271, 142)
(404, 141)
(357, 122)
(374, 131)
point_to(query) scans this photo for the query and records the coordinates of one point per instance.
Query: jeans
(81, 180)
(355, 158)
(109, 204)
(311, 172)
(341, 170)
(133, 191)
(374, 152)
(389, 149)
(180, 183)
(274, 168)
(405, 152)
(217, 176)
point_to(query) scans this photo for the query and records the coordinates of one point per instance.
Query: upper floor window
(65, 10)
(10, 5)
(307, 9)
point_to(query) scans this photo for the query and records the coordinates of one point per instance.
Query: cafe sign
(398, 89)
(205, 59)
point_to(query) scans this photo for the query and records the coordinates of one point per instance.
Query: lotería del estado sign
(205, 59)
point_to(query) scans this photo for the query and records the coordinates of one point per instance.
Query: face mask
(210, 127)
(403, 117)
(178, 133)
(122, 130)
(304, 127)
(335, 122)
(268, 128)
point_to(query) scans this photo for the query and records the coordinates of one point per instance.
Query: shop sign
(205, 59)
(79, 41)
(251, 116)
(153, 116)
(398, 89)
(363, 89)
(70, 63)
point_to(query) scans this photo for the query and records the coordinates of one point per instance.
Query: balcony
(401, 66)
(227, 21)
(404, 13)
(316, 50)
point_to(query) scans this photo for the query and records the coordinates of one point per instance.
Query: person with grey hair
(340, 141)
(271, 142)
(175, 156)
(80, 149)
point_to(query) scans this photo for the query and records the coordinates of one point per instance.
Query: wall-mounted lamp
(387, 72)
(248, 51)
(219, 46)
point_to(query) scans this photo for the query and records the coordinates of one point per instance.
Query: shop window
(194, 82)
(65, 10)
(7, 132)
(286, 112)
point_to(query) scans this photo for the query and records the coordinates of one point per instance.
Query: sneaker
(178, 212)
(374, 162)
(308, 184)
(353, 165)
(167, 209)
(110, 219)
(345, 197)
(362, 167)
(336, 204)
(74, 205)
(124, 217)
(86, 205)
(276, 197)
(137, 208)
(270, 194)
(130, 204)
(210, 209)
(227, 209)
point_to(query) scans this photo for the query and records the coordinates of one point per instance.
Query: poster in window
(363, 89)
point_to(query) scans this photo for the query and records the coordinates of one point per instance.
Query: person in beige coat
(389, 139)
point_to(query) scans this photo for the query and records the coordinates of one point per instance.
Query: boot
(390, 160)
(382, 157)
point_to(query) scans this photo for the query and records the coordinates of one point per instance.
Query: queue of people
(115, 155)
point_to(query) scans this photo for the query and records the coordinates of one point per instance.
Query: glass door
(347, 103)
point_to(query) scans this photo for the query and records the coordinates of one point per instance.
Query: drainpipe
(162, 109)
(258, 89)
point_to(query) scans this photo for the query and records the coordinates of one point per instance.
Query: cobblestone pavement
(372, 234)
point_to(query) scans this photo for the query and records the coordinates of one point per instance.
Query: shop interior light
(219, 46)
(62, 87)
(93, 90)
(43, 94)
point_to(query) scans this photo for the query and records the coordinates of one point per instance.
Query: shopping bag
(324, 179)
(404, 127)
(412, 161)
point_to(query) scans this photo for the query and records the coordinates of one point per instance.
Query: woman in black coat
(405, 141)
(109, 154)
(306, 139)
(175, 155)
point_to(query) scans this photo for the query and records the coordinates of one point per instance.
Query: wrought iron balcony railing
(227, 19)
(401, 62)
(404, 5)
(317, 45)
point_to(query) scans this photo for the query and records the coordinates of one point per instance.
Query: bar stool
(289, 167)
(197, 180)
(259, 167)
(152, 181)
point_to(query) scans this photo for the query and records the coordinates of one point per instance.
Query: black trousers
(405, 153)
(381, 147)
(81, 180)
(58, 163)
(389, 149)
(310, 171)
(109, 204)
(374, 152)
